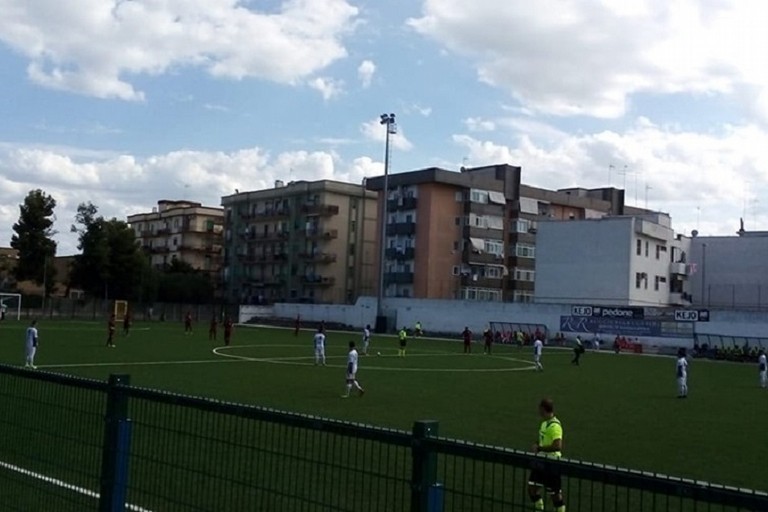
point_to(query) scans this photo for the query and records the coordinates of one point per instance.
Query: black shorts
(548, 479)
(403, 343)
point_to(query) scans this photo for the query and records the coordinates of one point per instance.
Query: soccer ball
(378, 353)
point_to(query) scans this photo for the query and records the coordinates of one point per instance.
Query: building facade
(304, 241)
(182, 230)
(616, 261)
(472, 234)
(730, 272)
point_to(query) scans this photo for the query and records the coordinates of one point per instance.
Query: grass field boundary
(63, 485)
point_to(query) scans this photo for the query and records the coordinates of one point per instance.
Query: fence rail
(74, 444)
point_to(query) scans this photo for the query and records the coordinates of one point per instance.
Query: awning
(528, 205)
(496, 197)
(478, 244)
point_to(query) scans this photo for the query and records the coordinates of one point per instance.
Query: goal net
(121, 309)
(10, 306)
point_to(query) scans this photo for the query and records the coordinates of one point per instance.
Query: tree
(111, 264)
(33, 239)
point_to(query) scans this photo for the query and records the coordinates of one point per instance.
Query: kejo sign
(692, 315)
(607, 312)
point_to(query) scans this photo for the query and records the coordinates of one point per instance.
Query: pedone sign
(608, 312)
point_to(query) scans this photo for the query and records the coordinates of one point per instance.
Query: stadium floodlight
(387, 120)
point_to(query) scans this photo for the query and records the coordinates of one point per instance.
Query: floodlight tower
(387, 120)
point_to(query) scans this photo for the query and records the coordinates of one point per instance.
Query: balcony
(678, 269)
(273, 257)
(208, 249)
(320, 257)
(401, 204)
(481, 281)
(482, 258)
(267, 281)
(160, 249)
(320, 234)
(321, 210)
(163, 231)
(398, 278)
(408, 253)
(401, 228)
(318, 281)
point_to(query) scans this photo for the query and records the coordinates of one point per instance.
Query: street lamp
(387, 120)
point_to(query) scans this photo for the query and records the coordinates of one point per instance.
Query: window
(478, 196)
(455, 270)
(493, 272)
(409, 218)
(639, 247)
(525, 251)
(351, 249)
(523, 225)
(658, 252)
(459, 197)
(353, 226)
(656, 281)
(647, 247)
(522, 296)
(484, 294)
(457, 221)
(456, 245)
(524, 274)
(638, 280)
(494, 247)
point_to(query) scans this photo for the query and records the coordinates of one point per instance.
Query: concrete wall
(584, 262)
(735, 323)
(730, 272)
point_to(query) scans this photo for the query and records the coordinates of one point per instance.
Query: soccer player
(297, 326)
(577, 351)
(403, 339)
(228, 325)
(31, 345)
(111, 331)
(418, 330)
(188, 323)
(466, 334)
(127, 323)
(520, 339)
(366, 339)
(352, 372)
(682, 374)
(488, 338)
(538, 348)
(319, 341)
(550, 444)
(762, 366)
(213, 328)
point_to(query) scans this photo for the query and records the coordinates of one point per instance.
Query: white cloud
(373, 130)
(478, 124)
(685, 170)
(327, 87)
(125, 184)
(591, 56)
(215, 107)
(93, 48)
(365, 72)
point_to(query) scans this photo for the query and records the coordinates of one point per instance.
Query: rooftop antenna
(698, 218)
(611, 168)
(647, 188)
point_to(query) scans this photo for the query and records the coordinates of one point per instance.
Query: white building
(619, 261)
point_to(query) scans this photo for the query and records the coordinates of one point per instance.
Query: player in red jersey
(467, 335)
(228, 326)
(127, 323)
(111, 331)
(188, 323)
(213, 329)
(488, 338)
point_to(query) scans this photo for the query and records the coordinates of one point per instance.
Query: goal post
(120, 309)
(10, 304)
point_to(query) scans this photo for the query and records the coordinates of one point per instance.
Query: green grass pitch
(618, 410)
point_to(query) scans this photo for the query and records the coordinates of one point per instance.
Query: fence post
(116, 449)
(425, 494)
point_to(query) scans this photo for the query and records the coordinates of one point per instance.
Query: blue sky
(125, 103)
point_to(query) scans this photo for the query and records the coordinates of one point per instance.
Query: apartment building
(305, 241)
(183, 230)
(614, 261)
(472, 234)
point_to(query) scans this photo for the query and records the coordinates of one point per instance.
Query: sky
(125, 102)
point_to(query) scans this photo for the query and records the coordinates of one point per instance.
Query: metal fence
(73, 444)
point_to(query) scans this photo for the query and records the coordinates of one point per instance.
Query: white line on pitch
(63, 484)
(138, 363)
